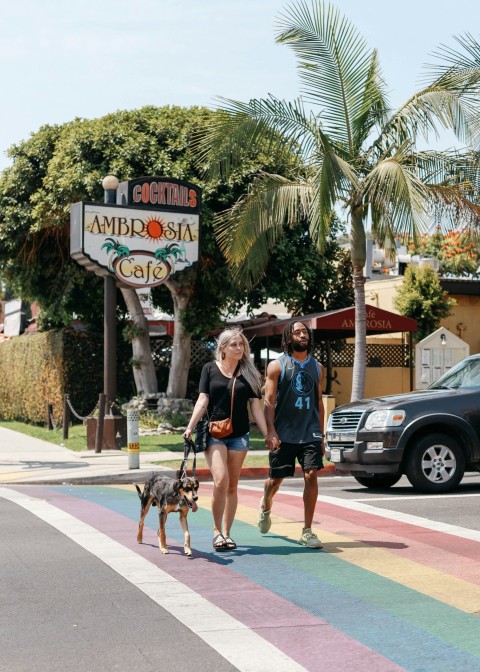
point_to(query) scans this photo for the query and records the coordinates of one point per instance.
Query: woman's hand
(197, 415)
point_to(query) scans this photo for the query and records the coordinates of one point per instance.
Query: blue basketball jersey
(297, 418)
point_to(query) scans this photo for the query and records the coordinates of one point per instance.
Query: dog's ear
(177, 485)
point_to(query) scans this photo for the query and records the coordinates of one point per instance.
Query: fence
(378, 354)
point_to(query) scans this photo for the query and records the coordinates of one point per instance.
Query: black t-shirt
(219, 390)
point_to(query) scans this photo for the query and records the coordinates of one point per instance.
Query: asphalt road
(396, 587)
(459, 507)
(63, 609)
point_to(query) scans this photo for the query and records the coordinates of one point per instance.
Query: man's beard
(299, 347)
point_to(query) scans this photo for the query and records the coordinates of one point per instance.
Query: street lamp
(110, 184)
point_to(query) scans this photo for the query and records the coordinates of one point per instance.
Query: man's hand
(272, 441)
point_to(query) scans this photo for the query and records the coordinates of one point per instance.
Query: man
(294, 415)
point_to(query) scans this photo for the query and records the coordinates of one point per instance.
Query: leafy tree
(457, 253)
(60, 165)
(352, 150)
(422, 298)
(304, 281)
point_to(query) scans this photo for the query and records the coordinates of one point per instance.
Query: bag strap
(188, 446)
(234, 376)
(233, 391)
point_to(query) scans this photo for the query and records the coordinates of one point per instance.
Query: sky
(62, 60)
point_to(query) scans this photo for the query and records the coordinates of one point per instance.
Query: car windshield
(465, 374)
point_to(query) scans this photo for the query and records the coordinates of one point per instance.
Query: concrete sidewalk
(26, 460)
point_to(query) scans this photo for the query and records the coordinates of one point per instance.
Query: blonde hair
(247, 368)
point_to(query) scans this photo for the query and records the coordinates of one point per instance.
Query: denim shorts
(237, 443)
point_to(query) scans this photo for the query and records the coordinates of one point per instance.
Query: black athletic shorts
(282, 459)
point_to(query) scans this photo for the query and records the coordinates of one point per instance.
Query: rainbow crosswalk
(384, 594)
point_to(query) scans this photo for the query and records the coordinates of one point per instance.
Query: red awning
(335, 324)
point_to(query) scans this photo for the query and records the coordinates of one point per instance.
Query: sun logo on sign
(153, 229)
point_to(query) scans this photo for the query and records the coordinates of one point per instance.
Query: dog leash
(188, 447)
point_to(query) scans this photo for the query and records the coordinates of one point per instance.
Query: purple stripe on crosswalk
(304, 637)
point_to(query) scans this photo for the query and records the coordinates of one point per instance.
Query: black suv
(432, 436)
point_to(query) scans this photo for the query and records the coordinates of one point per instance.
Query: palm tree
(351, 150)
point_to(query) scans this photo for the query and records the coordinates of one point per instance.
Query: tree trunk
(359, 255)
(182, 343)
(143, 367)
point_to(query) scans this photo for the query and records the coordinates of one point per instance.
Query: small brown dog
(169, 495)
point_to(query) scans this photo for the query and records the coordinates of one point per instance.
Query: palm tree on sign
(350, 150)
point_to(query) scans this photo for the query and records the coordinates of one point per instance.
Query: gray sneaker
(264, 521)
(310, 539)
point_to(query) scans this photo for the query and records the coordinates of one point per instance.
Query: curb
(142, 475)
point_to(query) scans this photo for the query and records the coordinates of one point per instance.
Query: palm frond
(333, 181)
(446, 167)
(451, 207)
(451, 99)
(276, 127)
(431, 110)
(457, 68)
(334, 64)
(256, 220)
(374, 111)
(397, 197)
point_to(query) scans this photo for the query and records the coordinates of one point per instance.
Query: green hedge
(40, 368)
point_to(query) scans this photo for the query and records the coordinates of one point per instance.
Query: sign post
(110, 185)
(146, 231)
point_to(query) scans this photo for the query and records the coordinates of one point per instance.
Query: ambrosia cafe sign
(150, 234)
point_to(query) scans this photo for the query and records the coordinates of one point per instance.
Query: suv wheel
(378, 481)
(435, 464)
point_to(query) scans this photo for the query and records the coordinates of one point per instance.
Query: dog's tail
(145, 495)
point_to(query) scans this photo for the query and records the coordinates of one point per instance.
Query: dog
(169, 495)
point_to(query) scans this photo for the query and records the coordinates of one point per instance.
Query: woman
(225, 456)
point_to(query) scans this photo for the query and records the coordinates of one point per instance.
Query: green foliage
(303, 280)
(60, 165)
(148, 420)
(178, 419)
(31, 375)
(457, 252)
(422, 298)
(40, 368)
(130, 332)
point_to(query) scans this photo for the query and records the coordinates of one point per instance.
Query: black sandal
(231, 545)
(219, 543)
